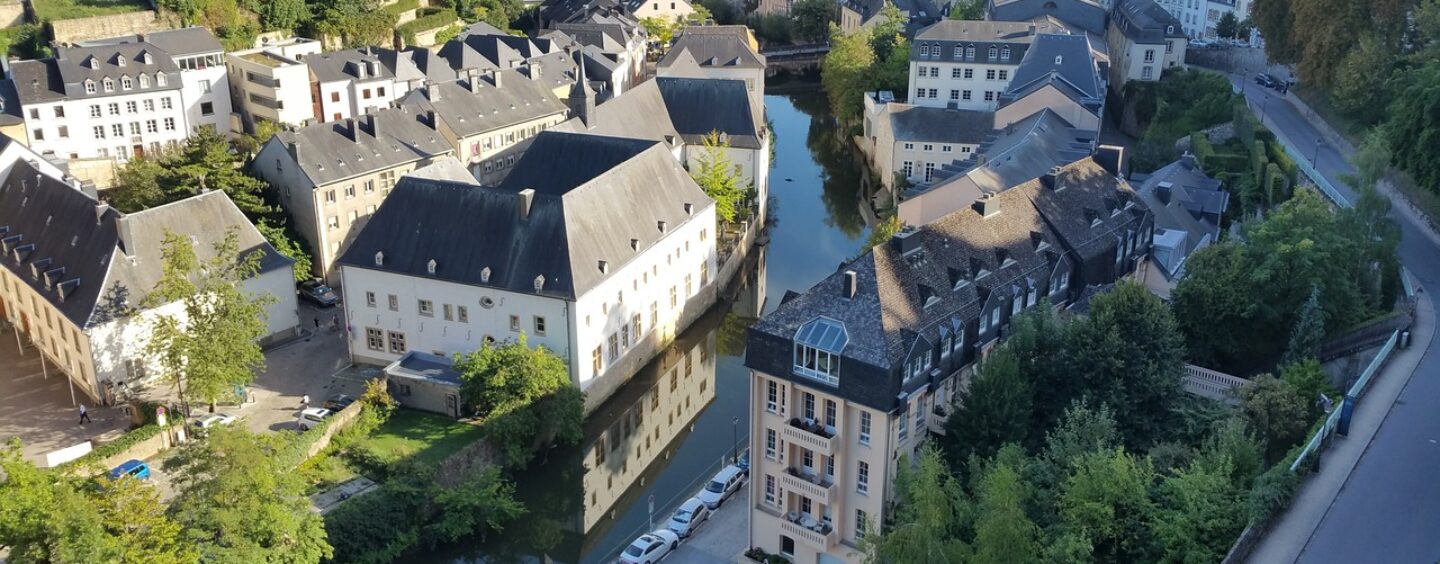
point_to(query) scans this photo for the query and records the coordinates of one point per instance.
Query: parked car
(688, 517)
(214, 419)
(650, 547)
(312, 417)
(319, 293)
(722, 486)
(338, 402)
(139, 469)
(744, 464)
(1265, 80)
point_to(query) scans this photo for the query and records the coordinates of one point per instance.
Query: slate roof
(471, 107)
(50, 226)
(1144, 21)
(1020, 152)
(715, 46)
(1084, 14)
(63, 76)
(918, 12)
(343, 65)
(611, 37)
(446, 168)
(181, 42)
(688, 108)
(1064, 61)
(940, 125)
(338, 150)
(593, 195)
(949, 34)
(1188, 209)
(1090, 207)
(424, 366)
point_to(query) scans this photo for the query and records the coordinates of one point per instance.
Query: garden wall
(100, 27)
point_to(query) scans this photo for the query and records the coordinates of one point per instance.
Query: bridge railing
(1213, 384)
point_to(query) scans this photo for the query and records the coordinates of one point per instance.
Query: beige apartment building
(486, 112)
(332, 176)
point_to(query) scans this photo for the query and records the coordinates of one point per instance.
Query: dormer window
(969, 51)
(160, 79)
(920, 364)
(1005, 54)
(1169, 29)
(958, 52)
(92, 63)
(89, 86)
(379, 258)
(108, 84)
(144, 81)
(1058, 60)
(126, 83)
(120, 60)
(818, 344)
(983, 273)
(992, 52)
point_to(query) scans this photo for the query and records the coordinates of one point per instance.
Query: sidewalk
(721, 539)
(1291, 532)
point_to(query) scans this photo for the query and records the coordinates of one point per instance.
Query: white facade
(1191, 13)
(342, 99)
(966, 86)
(205, 91)
(273, 82)
(600, 329)
(113, 127)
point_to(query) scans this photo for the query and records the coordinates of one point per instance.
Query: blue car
(136, 468)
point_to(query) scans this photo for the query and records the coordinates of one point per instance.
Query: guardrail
(1212, 384)
(1304, 163)
(1358, 389)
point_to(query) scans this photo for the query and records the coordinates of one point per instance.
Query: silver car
(688, 517)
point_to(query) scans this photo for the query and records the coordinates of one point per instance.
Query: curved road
(1389, 509)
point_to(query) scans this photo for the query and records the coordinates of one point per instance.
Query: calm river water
(816, 187)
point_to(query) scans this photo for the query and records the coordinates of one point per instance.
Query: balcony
(814, 487)
(820, 536)
(812, 436)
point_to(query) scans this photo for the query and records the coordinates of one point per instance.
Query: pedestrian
(335, 322)
(305, 401)
(317, 323)
(84, 415)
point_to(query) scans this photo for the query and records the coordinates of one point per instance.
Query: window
(427, 308)
(991, 52)
(904, 430)
(99, 132)
(955, 72)
(151, 126)
(464, 312)
(771, 444)
(333, 222)
(818, 344)
(160, 80)
(635, 326)
(394, 302)
(334, 96)
(350, 217)
(654, 315)
(772, 397)
(954, 94)
(770, 488)
(374, 339)
(929, 172)
(165, 103)
(38, 134)
(830, 413)
(144, 81)
(922, 67)
(862, 522)
(934, 72)
(920, 414)
(807, 459)
(370, 299)
(349, 191)
(615, 347)
(934, 93)
(673, 300)
(89, 86)
(207, 108)
(204, 87)
(1005, 54)
(448, 312)
(329, 196)
(169, 124)
(108, 84)
(397, 343)
(965, 95)
(95, 110)
(515, 323)
(380, 91)
(1149, 55)
(149, 105)
(909, 146)
(595, 360)
(807, 406)
(970, 52)
(126, 83)
(365, 94)
(908, 167)
(1147, 73)
(989, 96)
(864, 427)
(134, 128)
(862, 472)
(1004, 74)
(539, 325)
(64, 132)
(969, 74)
(928, 147)
(990, 74)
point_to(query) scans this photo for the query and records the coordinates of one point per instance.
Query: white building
(600, 249)
(1144, 40)
(123, 97)
(272, 82)
(718, 51)
(353, 82)
(77, 271)
(966, 64)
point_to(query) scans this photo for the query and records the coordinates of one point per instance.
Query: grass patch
(52, 10)
(423, 437)
(326, 471)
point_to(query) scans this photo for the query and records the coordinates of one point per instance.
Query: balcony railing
(819, 536)
(812, 436)
(814, 487)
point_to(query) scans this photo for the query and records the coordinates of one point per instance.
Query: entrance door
(452, 405)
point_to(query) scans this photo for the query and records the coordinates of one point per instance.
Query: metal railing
(1212, 384)
(1357, 390)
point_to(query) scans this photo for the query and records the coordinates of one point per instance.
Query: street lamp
(1263, 106)
(734, 440)
(1316, 155)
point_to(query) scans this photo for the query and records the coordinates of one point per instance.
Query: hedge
(1200, 145)
(431, 19)
(1221, 163)
(401, 6)
(120, 445)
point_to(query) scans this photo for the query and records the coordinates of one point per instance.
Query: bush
(429, 18)
(1201, 147)
(120, 445)
(1272, 491)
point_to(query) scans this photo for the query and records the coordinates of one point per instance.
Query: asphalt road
(1389, 510)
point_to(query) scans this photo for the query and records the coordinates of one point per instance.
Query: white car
(312, 417)
(213, 420)
(722, 486)
(688, 517)
(650, 547)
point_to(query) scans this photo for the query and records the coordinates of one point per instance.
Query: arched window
(1005, 54)
(970, 52)
(958, 51)
(144, 81)
(160, 79)
(89, 86)
(126, 83)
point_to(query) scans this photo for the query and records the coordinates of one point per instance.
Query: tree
(882, 232)
(659, 29)
(887, 31)
(279, 237)
(1199, 514)
(892, 72)
(1324, 31)
(239, 503)
(1004, 534)
(1228, 27)
(929, 515)
(1309, 331)
(996, 410)
(845, 73)
(1276, 412)
(810, 19)
(483, 502)
(524, 396)
(209, 164)
(211, 347)
(283, 15)
(1106, 501)
(1274, 20)
(1233, 446)
(1309, 381)
(1130, 353)
(715, 173)
(1361, 90)
(967, 10)
(1414, 128)
(142, 182)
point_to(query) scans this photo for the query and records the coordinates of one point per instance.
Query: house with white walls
(272, 82)
(599, 249)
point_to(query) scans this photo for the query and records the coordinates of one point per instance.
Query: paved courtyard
(38, 409)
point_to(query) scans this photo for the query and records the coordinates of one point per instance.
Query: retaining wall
(100, 27)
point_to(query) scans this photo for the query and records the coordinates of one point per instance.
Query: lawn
(71, 9)
(425, 437)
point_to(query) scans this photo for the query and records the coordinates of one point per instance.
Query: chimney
(351, 130)
(495, 77)
(294, 149)
(535, 71)
(986, 205)
(850, 284)
(123, 235)
(100, 209)
(905, 241)
(474, 82)
(372, 125)
(432, 90)
(1112, 159)
(1162, 192)
(430, 119)
(689, 208)
(1051, 178)
(527, 197)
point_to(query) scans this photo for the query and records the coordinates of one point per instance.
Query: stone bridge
(794, 58)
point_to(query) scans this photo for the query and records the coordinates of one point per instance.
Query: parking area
(315, 365)
(38, 408)
(722, 538)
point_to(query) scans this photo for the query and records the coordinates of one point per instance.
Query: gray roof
(418, 365)
(338, 150)
(347, 65)
(940, 125)
(55, 228)
(63, 76)
(610, 37)
(1086, 15)
(715, 46)
(953, 34)
(1064, 61)
(445, 168)
(1020, 152)
(918, 12)
(1144, 21)
(1087, 205)
(1188, 204)
(688, 108)
(593, 196)
(181, 42)
(477, 105)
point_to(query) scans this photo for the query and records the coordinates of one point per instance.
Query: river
(672, 424)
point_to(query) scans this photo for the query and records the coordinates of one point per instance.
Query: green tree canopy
(524, 395)
(930, 514)
(1276, 411)
(996, 410)
(810, 19)
(846, 73)
(715, 173)
(1228, 27)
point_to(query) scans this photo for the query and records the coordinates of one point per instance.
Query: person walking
(305, 401)
(84, 415)
(317, 323)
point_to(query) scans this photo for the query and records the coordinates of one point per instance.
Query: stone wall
(451, 471)
(338, 422)
(12, 13)
(147, 448)
(100, 27)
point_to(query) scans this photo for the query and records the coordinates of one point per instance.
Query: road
(1388, 509)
